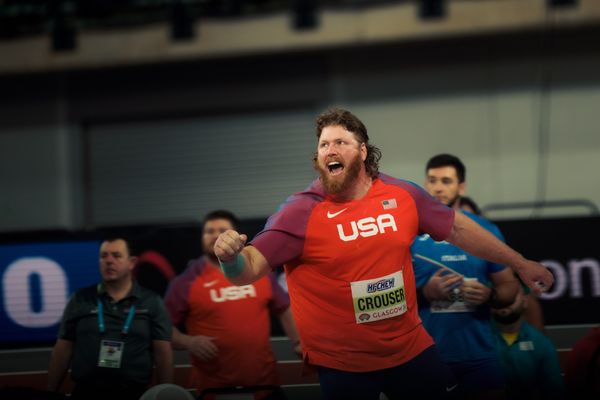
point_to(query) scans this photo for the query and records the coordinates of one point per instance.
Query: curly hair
(347, 120)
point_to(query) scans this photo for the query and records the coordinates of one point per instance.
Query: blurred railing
(536, 207)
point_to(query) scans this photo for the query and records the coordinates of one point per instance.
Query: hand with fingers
(475, 292)
(535, 276)
(228, 245)
(203, 347)
(441, 284)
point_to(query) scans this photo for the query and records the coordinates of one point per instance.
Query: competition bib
(111, 352)
(454, 303)
(379, 298)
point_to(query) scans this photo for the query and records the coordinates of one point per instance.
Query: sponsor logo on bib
(380, 298)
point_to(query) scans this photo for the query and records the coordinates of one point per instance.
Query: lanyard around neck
(127, 324)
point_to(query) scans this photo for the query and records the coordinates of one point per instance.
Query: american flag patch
(387, 204)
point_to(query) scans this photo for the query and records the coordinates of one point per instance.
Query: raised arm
(241, 265)
(474, 239)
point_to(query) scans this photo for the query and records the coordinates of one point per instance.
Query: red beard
(339, 184)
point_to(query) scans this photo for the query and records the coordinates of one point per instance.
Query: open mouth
(335, 167)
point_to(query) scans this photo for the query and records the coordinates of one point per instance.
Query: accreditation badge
(456, 304)
(379, 298)
(111, 353)
(526, 346)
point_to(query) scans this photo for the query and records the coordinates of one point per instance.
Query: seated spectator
(528, 358)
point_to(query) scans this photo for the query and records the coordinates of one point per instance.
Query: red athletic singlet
(349, 271)
(238, 317)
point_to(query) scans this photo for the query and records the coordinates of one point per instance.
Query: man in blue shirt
(529, 359)
(456, 290)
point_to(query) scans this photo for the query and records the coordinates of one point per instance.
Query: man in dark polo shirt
(113, 332)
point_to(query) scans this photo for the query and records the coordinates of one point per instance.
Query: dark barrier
(569, 248)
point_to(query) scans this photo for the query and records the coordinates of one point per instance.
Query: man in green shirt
(113, 333)
(528, 357)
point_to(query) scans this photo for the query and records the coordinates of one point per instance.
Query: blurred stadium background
(142, 115)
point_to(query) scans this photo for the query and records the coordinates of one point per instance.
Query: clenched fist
(535, 276)
(229, 244)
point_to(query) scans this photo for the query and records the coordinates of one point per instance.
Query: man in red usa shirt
(227, 328)
(345, 243)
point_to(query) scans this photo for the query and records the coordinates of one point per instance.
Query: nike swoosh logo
(333, 215)
(211, 283)
(451, 388)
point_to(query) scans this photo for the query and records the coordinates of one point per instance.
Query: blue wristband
(233, 268)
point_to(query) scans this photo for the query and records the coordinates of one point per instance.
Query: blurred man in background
(114, 333)
(455, 302)
(529, 359)
(227, 328)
